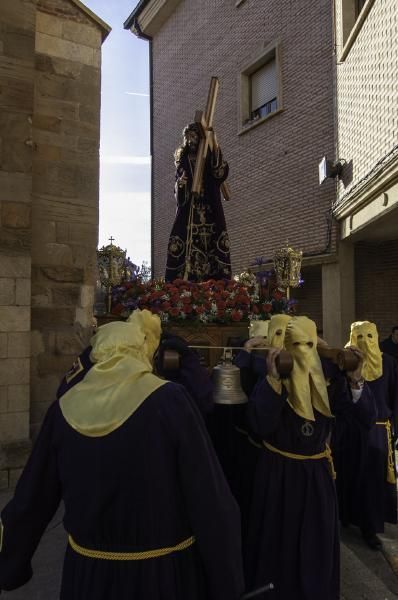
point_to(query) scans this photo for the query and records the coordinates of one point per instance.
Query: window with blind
(263, 90)
(260, 88)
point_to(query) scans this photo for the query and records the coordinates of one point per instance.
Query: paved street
(366, 575)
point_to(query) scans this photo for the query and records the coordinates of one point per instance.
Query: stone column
(338, 296)
(17, 25)
(66, 129)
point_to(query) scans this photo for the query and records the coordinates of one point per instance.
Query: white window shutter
(263, 85)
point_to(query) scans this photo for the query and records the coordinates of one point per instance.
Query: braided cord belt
(102, 555)
(391, 478)
(327, 453)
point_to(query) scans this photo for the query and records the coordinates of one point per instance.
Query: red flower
(236, 315)
(117, 309)
(174, 311)
(221, 305)
(220, 314)
(231, 302)
(200, 310)
(277, 294)
(267, 307)
(186, 299)
(187, 309)
(166, 306)
(255, 309)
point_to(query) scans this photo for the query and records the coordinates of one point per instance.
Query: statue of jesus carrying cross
(198, 247)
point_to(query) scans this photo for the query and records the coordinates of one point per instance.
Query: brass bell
(226, 381)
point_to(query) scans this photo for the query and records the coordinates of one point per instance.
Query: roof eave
(106, 29)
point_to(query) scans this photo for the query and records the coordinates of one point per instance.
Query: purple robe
(293, 532)
(209, 254)
(152, 483)
(361, 447)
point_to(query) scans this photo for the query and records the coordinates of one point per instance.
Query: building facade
(367, 124)
(299, 82)
(50, 59)
(274, 120)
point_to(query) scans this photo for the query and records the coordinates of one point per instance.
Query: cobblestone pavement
(365, 574)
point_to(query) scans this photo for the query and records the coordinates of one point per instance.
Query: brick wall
(65, 192)
(376, 278)
(367, 92)
(309, 296)
(274, 167)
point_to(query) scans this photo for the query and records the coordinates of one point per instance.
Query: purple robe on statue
(293, 531)
(362, 449)
(208, 250)
(152, 483)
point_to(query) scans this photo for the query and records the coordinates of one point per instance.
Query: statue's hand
(182, 181)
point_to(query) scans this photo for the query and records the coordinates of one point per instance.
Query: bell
(226, 382)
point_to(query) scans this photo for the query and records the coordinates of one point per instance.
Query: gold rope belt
(327, 453)
(102, 555)
(391, 478)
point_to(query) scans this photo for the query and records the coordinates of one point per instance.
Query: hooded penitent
(277, 329)
(364, 336)
(120, 379)
(306, 385)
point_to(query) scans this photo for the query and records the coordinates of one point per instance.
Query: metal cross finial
(111, 239)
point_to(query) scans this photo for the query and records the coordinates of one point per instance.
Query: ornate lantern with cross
(111, 267)
(287, 264)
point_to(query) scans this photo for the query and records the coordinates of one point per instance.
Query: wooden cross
(208, 140)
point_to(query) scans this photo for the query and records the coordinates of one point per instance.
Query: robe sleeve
(191, 374)
(26, 516)
(212, 511)
(342, 405)
(393, 392)
(265, 408)
(76, 373)
(252, 368)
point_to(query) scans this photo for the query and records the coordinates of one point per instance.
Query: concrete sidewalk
(365, 574)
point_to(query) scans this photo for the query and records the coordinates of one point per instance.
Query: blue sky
(125, 158)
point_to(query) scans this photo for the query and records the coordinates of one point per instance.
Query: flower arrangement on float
(246, 297)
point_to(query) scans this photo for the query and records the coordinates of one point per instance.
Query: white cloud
(137, 94)
(125, 160)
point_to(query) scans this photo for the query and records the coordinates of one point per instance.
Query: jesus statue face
(191, 139)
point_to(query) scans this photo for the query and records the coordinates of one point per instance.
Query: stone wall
(50, 60)
(66, 127)
(17, 39)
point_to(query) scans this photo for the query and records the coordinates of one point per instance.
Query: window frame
(352, 19)
(271, 52)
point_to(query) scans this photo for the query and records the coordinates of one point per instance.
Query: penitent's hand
(356, 375)
(272, 355)
(258, 341)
